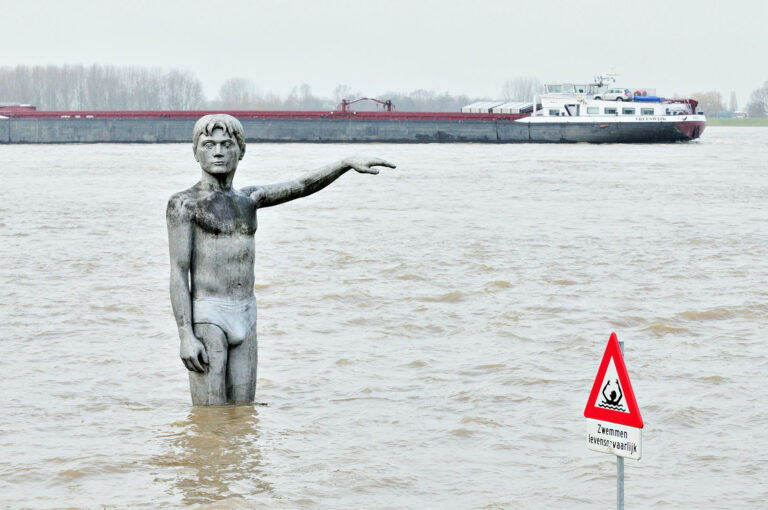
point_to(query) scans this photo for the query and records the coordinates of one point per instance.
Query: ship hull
(611, 132)
(349, 130)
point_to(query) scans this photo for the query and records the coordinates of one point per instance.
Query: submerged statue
(210, 234)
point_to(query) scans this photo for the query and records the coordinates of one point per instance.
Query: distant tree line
(242, 94)
(712, 103)
(97, 87)
(106, 87)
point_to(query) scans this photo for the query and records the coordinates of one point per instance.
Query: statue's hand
(193, 354)
(364, 165)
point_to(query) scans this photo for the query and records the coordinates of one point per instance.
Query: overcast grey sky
(466, 46)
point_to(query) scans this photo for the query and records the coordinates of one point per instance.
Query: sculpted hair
(230, 125)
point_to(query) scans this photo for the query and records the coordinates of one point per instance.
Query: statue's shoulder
(248, 190)
(253, 194)
(243, 196)
(182, 204)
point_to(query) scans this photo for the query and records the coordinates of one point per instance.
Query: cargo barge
(551, 118)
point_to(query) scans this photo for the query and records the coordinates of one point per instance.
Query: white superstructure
(560, 107)
(575, 102)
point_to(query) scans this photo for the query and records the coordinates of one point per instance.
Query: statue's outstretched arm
(179, 219)
(274, 194)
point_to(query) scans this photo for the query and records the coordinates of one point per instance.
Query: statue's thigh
(241, 369)
(209, 387)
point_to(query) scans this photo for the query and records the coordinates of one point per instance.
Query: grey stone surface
(211, 229)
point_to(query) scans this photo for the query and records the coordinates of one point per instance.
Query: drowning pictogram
(614, 400)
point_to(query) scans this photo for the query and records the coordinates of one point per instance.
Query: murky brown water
(428, 336)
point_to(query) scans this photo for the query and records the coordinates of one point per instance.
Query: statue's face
(218, 153)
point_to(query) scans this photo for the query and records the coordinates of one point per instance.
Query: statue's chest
(226, 214)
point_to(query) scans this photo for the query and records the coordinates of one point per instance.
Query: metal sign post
(620, 465)
(614, 424)
(620, 483)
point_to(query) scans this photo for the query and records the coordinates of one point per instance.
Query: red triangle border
(631, 419)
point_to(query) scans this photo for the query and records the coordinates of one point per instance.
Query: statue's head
(218, 142)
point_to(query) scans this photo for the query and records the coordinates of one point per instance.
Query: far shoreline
(748, 122)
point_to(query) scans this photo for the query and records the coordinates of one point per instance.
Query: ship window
(554, 113)
(627, 111)
(610, 111)
(593, 110)
(646, 111)
(573, 110)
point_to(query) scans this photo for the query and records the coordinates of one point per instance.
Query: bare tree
(269, 101)
(301, 98)
(183, 91)
(758, 102)
(304, 100)
(237, 94)
(734, 105)
(709, 102)
(522, 88)
(342, 92)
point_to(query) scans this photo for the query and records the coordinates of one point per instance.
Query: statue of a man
(210, 233)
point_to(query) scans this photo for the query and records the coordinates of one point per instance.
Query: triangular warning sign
(612, 398)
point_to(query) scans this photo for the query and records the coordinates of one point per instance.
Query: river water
(428, 336)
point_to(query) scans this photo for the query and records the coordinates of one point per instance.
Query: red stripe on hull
(692, 129)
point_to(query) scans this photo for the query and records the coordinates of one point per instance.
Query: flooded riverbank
(428, 336)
